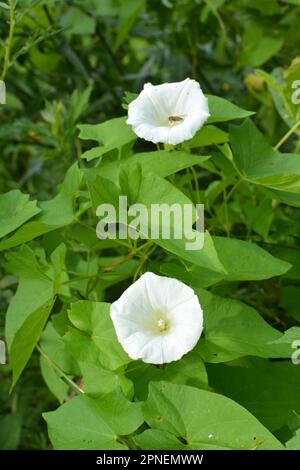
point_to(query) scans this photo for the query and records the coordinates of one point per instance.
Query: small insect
(174, 120)
(257, 442)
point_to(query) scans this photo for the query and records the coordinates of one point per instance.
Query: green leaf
(280, 85)
(259, 163)
(289, 254)
(26, 339)
(98, 380)
(205, 257)
(53, 346)
(204, 420)
(85, 235)
(86, 423)
(164, 163)
(208, 135)
(105, 8)
(129, 11)
(26, 233)
(15, 209)
(80, 347)
(161, 163)
(289, 198)
(233, 329)
(292, 2)
(237, 257)
(10, 431)
(32, 276)
(154, 190)
(130, 180)
(93, 321)
(190, 274)
(260, 216)
(223, 110)
(78, 104)
(287, 339)
(258, 47)
(56, 212)
(59, 211)
(28, 313)
(270, 7)
(255, 386)
(6, 7)
(125, 270)
(103, 191)
(77, 22)
(57, 271)
(294, 442)
(112, 134)
(128, 98)
(54, 383)
(156, 439)
(189, 370)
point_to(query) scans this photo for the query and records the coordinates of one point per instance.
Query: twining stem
(144, 258)
(233, 189)
(57, 369)
(217, 15)
(226, 197)
(196, 182)
(135, 251)
(225, 200)
(87, 272)
(287, 135)
(9, 39)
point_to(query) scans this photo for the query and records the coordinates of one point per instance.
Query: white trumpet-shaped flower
(157, 319)
(169, 113)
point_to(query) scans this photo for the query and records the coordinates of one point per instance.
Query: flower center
(162, 325)
(174, 120)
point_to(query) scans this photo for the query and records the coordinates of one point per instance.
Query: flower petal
(136, 312)
(133, 306)
(188, 320)
(149, 113)
(165, 293)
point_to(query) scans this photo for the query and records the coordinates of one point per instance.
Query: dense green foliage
(70, 70)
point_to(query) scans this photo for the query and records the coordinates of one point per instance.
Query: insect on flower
(169, 113)
(157, 319)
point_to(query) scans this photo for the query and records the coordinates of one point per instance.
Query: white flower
(157, 319)
(169, 113)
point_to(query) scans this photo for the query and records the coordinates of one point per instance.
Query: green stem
(196, 185)
(233, 189)
(78, 279)
(144, 259)
(10, 39)
(109, 267)
(287, 135)
(57, 369)
(225, 199)
(87, 273)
